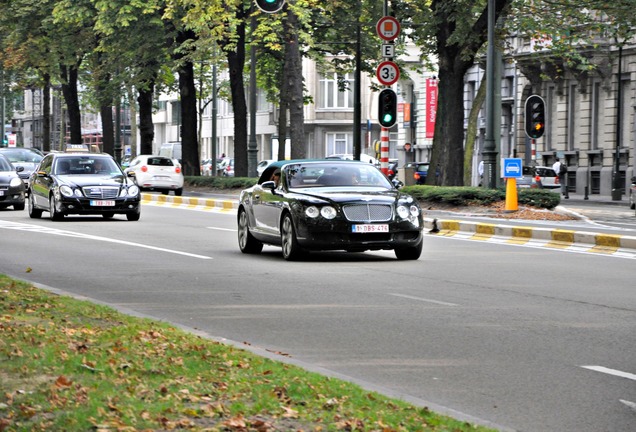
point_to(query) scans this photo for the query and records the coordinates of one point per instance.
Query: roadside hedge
(455, 195)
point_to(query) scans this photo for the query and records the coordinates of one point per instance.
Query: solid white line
(611, 372)
(222, 229)
(47, 230)
(424, 300)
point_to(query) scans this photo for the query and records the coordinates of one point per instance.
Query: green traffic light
(388, 118)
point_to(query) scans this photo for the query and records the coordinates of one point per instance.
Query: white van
(171, 149)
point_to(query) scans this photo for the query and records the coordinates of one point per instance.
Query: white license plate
(102, 203)
(369, 228)
(1, 193)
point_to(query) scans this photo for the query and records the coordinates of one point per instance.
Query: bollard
(586, 197)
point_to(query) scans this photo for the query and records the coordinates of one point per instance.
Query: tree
(454, 30)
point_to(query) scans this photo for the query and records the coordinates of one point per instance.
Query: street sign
(512, 168)
(388, 28)
(388, 50)
(387, 73)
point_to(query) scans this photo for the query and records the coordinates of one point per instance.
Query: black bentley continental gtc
(305, 205)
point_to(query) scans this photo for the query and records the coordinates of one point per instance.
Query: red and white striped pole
(384, 150)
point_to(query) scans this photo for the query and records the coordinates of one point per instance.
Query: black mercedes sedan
(11, 185)
(84, 184)
(312, 205)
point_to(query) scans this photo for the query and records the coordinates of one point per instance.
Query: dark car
(26, 158)
(82, 183)
(328, 205)
(420, 171)
(11, 185)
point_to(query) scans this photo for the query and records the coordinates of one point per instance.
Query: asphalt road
(525, 339)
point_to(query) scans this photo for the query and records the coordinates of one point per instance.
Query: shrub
(220, 182)
(464, 195)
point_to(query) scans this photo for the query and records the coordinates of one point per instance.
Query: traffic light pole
(384, 150)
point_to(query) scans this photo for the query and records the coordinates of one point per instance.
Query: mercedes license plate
(1, 193)
(369, 228)
(100, 203)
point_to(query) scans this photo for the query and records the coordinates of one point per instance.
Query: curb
(549, 237)
(211, 203)
(607, 244)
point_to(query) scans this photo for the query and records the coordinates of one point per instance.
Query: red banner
(431, 106)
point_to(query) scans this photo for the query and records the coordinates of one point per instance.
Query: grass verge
(72, 365)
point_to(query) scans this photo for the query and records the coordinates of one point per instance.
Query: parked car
(420, 171)
(632, 194)
(226, 167)
(157, 173)
(26, 158)
(328, 205)
(541, 177)
(82, 183)
(11, 185)
(260, 167)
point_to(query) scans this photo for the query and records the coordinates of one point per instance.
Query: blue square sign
(512, 168)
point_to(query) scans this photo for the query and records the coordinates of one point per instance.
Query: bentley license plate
(369, 228)
(102, 203)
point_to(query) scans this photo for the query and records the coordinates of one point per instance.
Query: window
(573, 111)
(176, 112)
(331, 95)
(339, 143)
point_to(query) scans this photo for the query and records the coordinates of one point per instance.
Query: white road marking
(423, 299)
(47, 230)
(222, 229)
(629, 404)
(614, 372)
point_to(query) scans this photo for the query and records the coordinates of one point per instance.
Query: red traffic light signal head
(270, 6)
(387, 108)
(535, 117)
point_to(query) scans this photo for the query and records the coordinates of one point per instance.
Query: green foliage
(541, 198)
(220, 182)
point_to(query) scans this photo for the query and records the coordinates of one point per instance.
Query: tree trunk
(46, 114)
(146, 127)
(108, 129)
(189, 144)
(69, 91)
(236, 64)
(293, 63)
(471, 130)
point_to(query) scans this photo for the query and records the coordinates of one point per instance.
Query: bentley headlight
(415, 211)
(403, 212)
(312, 212)
(15, 182)
(66, 191)
(328, 212)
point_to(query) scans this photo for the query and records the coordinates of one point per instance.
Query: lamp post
(617, 189)
(490, 151)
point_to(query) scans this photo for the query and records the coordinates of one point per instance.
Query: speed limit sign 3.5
(387, 73)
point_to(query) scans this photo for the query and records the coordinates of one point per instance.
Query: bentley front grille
(368, 212)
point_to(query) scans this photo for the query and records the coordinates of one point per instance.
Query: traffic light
(270, 6)
(387, 108)
(535, 117)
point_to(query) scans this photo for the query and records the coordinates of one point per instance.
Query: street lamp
(617, 188)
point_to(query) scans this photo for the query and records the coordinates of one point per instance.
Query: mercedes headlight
(15, 182)
(67, 191)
